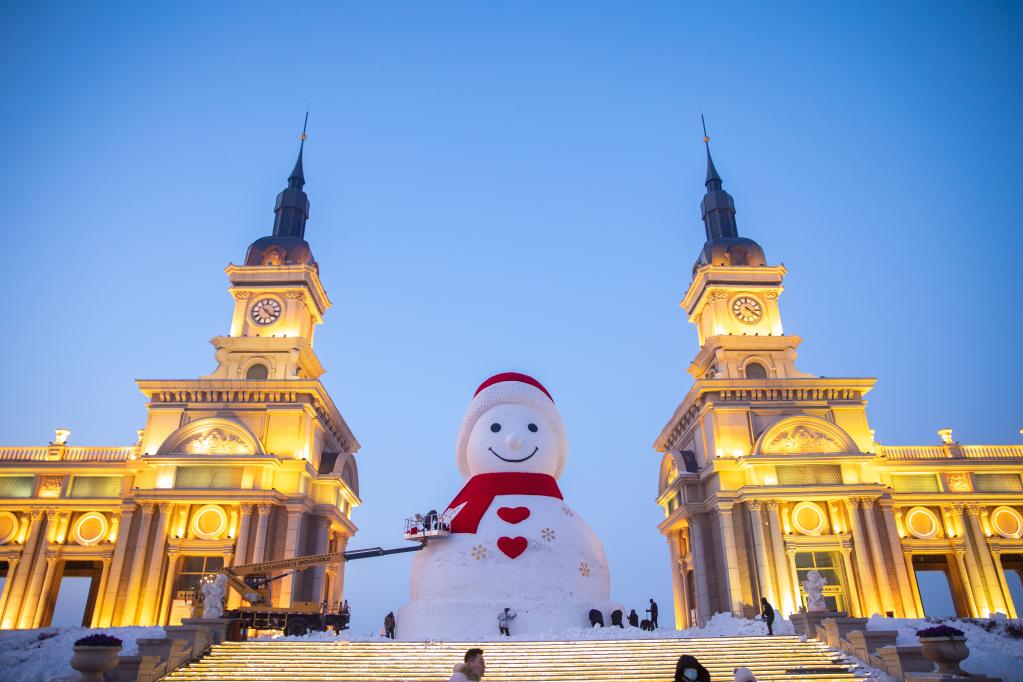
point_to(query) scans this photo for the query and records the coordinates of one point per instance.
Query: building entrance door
(828, 564)
(73, 597)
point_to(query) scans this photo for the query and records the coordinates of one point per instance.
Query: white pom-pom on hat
(521, 389)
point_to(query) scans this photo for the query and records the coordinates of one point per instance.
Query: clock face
(266, 311)
(747, 309)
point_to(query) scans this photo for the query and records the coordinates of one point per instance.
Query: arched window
(755, 370)
(257, 372)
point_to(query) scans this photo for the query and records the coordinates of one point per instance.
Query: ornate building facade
(252, 462)
(768, 472)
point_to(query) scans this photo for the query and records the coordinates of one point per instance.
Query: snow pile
(45, 655)
(720, 625)
(996, 644)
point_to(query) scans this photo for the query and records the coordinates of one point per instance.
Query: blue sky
(512, 186)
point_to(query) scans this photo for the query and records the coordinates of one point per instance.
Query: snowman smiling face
(511, 437)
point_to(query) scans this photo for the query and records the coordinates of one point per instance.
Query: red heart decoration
(513, 514)
(512, 547)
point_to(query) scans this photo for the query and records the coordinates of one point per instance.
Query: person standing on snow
(503, 619)
(389, 625)
(653, 613)
(633, 618)
(768, 614)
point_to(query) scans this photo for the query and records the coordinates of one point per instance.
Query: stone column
(151, 589)
(44, 595)
(338, 586)
(676, 577)
(971, 600)
(994, 586)
(138, 560)
(28, 552)
(101, 591)
(996, 555)
(167, 594)
(790, 555)
(731, 560)
(876, 551)
(973, 574)
(259, 548)
(109, 599)
(683, 571)
(760, 548)
(241, 545)
(868, 592)
(39, 564)
(914, 588)
(786, 593)
(699, 570)
(318, 527)
(855, 608)
(12, 569)
(291, 539)
(895, 546)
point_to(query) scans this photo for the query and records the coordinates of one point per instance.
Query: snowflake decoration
(548, 534)
(584, 569)
(567, 511)
(479, 552)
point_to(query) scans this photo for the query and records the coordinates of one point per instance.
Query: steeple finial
(717, 207)
(292, 209)
(712, 172)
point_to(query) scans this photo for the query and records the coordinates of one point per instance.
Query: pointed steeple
(292, 209)
(717, 207)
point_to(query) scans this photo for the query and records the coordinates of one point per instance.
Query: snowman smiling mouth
(505, 459)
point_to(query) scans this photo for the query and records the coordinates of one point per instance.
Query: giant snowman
(514, 540)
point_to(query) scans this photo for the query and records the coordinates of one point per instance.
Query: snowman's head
(512, 425)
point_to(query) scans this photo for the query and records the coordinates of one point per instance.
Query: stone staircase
(634, 660)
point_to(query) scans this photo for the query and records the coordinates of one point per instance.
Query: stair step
(782, 659)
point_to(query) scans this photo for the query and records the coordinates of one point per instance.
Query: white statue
(813, 585)
(213, 597)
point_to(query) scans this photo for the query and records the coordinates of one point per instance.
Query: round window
(1007, 522)
(921, 522)
(809, 519)
(8, 527)
(209, 522)
(90, 529)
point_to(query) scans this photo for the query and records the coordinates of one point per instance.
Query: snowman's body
(526, 550)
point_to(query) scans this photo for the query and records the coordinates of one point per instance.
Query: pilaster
(731, 559)
(981, 607)
(786, 592)
(12, 570)
(895, 545)
(676, 577)
(108, 600)
(39, 566)
(259, 548)
(138, 560)
(996, 556)
(996, 599)
(151, 589)
(101, 591)
(760, 548)
(876, 551)
(28, 552)
(43, 600)
(867, 591)
(699, 569)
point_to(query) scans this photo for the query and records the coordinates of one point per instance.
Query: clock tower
(278, 298)
(733, 299)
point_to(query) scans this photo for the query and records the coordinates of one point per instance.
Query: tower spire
(292, 208)
(717, 207)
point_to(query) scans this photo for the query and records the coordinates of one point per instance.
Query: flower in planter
(939, 631)
(98, 640)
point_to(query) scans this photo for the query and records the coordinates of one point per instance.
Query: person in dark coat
(633, 618)
(653, 613)
(389, 625)
(596, 618)
(616, 618)
(767, 611)
(688, 669)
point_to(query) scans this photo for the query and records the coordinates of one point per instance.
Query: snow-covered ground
(993, 651)
(720, 625)
(45, 655)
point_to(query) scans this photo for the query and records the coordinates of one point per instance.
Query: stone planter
(946, 652)
(92, 661)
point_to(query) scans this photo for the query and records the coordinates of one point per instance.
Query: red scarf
(479, 493)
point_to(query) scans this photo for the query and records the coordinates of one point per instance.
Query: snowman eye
(495, 427)
(532, 427)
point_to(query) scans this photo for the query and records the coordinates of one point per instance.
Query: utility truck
(254, 582)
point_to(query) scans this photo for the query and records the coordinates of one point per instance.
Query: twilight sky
(512, 186)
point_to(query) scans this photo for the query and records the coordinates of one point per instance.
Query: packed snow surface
(45, 655)
(993, 650)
